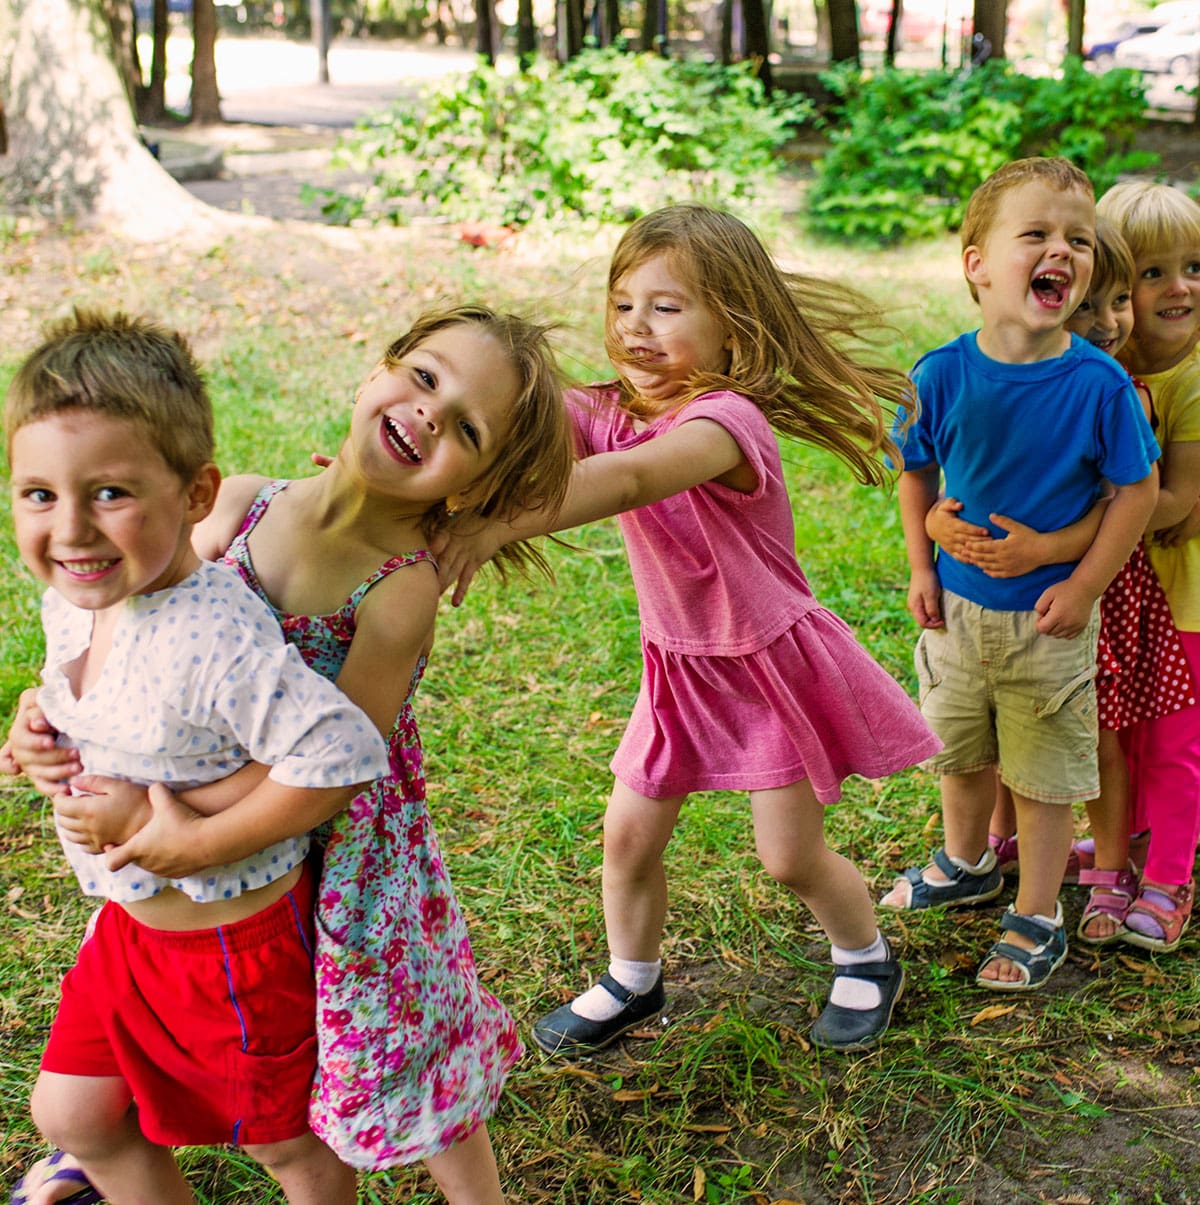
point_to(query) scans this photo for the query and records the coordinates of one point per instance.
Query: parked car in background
(1174, 49)
(1100, 45)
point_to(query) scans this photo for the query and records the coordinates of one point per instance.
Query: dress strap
(259, 506)
(387, 569)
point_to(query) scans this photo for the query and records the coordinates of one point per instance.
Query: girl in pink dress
(748, 682)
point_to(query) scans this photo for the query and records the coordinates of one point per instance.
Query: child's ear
(202, 493)
(974, 267)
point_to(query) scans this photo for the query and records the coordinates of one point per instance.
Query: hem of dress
(765, 781)
(361, 1161)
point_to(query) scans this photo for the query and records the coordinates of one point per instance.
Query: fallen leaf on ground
(991, 1012)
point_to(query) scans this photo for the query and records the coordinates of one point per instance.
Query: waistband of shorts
(286, 914)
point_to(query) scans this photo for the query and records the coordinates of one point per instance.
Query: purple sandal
(1112, 894)
(51, 1172)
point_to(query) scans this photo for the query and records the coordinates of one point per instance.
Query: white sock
(599, 1004)
(857, 993)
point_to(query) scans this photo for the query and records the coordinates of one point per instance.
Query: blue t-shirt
(1030, 441)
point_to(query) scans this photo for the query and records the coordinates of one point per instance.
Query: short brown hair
(984, 203)
(1114, 261)
(121, 367)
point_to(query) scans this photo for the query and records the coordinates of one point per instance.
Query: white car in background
(1172, 50)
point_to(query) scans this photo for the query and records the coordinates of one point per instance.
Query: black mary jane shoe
(566, 1032)
(841, 1028)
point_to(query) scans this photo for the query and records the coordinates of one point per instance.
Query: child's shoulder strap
(388, 568)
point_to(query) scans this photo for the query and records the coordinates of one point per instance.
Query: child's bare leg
(1045, 831)
(967, 802)
(789, 833)
(93, 1118)
(307, 1170)
(466, 1172)
(1108, 817)
(634, 883)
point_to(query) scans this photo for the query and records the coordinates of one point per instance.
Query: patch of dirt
(1177, 143)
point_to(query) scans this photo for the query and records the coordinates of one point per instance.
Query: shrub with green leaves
(908, 148)
(609, 135)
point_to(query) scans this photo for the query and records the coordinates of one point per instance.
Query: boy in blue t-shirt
(1026, 420)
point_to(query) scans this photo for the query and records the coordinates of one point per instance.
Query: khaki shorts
(999, 693)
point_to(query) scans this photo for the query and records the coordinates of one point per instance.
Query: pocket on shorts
(271, 1091)
(1078, 696)
(927, 676)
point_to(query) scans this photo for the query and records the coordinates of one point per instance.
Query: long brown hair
(787, 331)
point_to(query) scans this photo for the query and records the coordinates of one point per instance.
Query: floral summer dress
(413, 1051)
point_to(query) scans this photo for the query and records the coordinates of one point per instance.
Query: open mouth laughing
(399, 442)
(1051, 288)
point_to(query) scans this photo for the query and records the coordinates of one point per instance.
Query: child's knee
(80, 1114)
(304, 1151)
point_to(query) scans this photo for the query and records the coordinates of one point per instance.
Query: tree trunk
(73, 145)
(1075, 27)
(206, 100)
(526, 34)
(758, 44)
(895, 29)
(987, 42)
(654, 25)
(843, 31)
(485, 31)
(321, 21)
(727, 7)
(155, 98)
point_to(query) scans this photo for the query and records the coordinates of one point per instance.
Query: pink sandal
(1082, 856)
(1112, 895)
(1157, 918)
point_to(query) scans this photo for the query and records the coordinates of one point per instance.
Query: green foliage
(609, 135)
(909, 147)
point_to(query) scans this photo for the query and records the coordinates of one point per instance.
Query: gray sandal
(1036, 965)
(963, 886)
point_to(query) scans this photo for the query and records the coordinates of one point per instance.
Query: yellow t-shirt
(1176, 397)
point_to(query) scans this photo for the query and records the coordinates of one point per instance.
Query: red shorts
(214, 1030)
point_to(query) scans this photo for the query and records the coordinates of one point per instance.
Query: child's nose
(71, 524)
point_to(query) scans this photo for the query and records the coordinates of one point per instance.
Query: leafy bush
(609, 135)
(908, 148)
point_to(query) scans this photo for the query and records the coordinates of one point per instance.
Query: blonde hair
(1151, 217)
(533, 466)
(786, 331)
(121, 367)
(983, 206)
(1113, 263)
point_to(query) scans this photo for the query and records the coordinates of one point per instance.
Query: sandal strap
(1123, 882)
(880, 972)
(1028, 926)
(618, 991)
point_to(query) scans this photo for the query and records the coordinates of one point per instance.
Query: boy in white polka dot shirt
(189, 1016)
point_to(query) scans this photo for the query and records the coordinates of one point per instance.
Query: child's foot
(566, 1032)
(56, 1179)
(1037, 948)
(947, 881)
(1158, 917)
(860, 1003)
(1111, 896)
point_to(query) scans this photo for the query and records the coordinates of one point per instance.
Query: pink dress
(413, 1051)
(748, 682)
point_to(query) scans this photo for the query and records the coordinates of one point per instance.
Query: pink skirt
(812, 704)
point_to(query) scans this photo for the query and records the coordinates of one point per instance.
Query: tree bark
(74, 148)
(843, 31)
(206, 100)
(526, 34)
(758, 43)
(155, 98)
(1075, 28)
(991, 18)
(654, 25)
(895, 29)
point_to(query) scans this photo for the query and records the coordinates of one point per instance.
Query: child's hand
(31, 747)
(460, 554)
(321, 460)
(100, 813)
(925, 599)
(167, 845)
(951, 534)
(1021, 551)
(1065, 609)
(1186, 529)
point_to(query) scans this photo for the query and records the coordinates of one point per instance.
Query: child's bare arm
(1186, 529)
(213, 535)
(602, 485)
(917, 492)
(1179, 488)
(1065, 607)
(1024, 548)
(33, 749)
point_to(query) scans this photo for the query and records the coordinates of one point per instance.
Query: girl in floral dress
(463, 413)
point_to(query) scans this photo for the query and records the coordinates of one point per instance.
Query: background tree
(758, 42)
(843, 31)
(152, 99)
(990, 21)
(206, 100)
(74, 147)
(654, 25)
(527, 42)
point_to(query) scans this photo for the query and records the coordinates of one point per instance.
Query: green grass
(1086, 1091)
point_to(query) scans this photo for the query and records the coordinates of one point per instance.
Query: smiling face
(1032, 269)
(426, 428)
(98, 513)
(1166, 308)
(662, 332)
(1105, 317)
